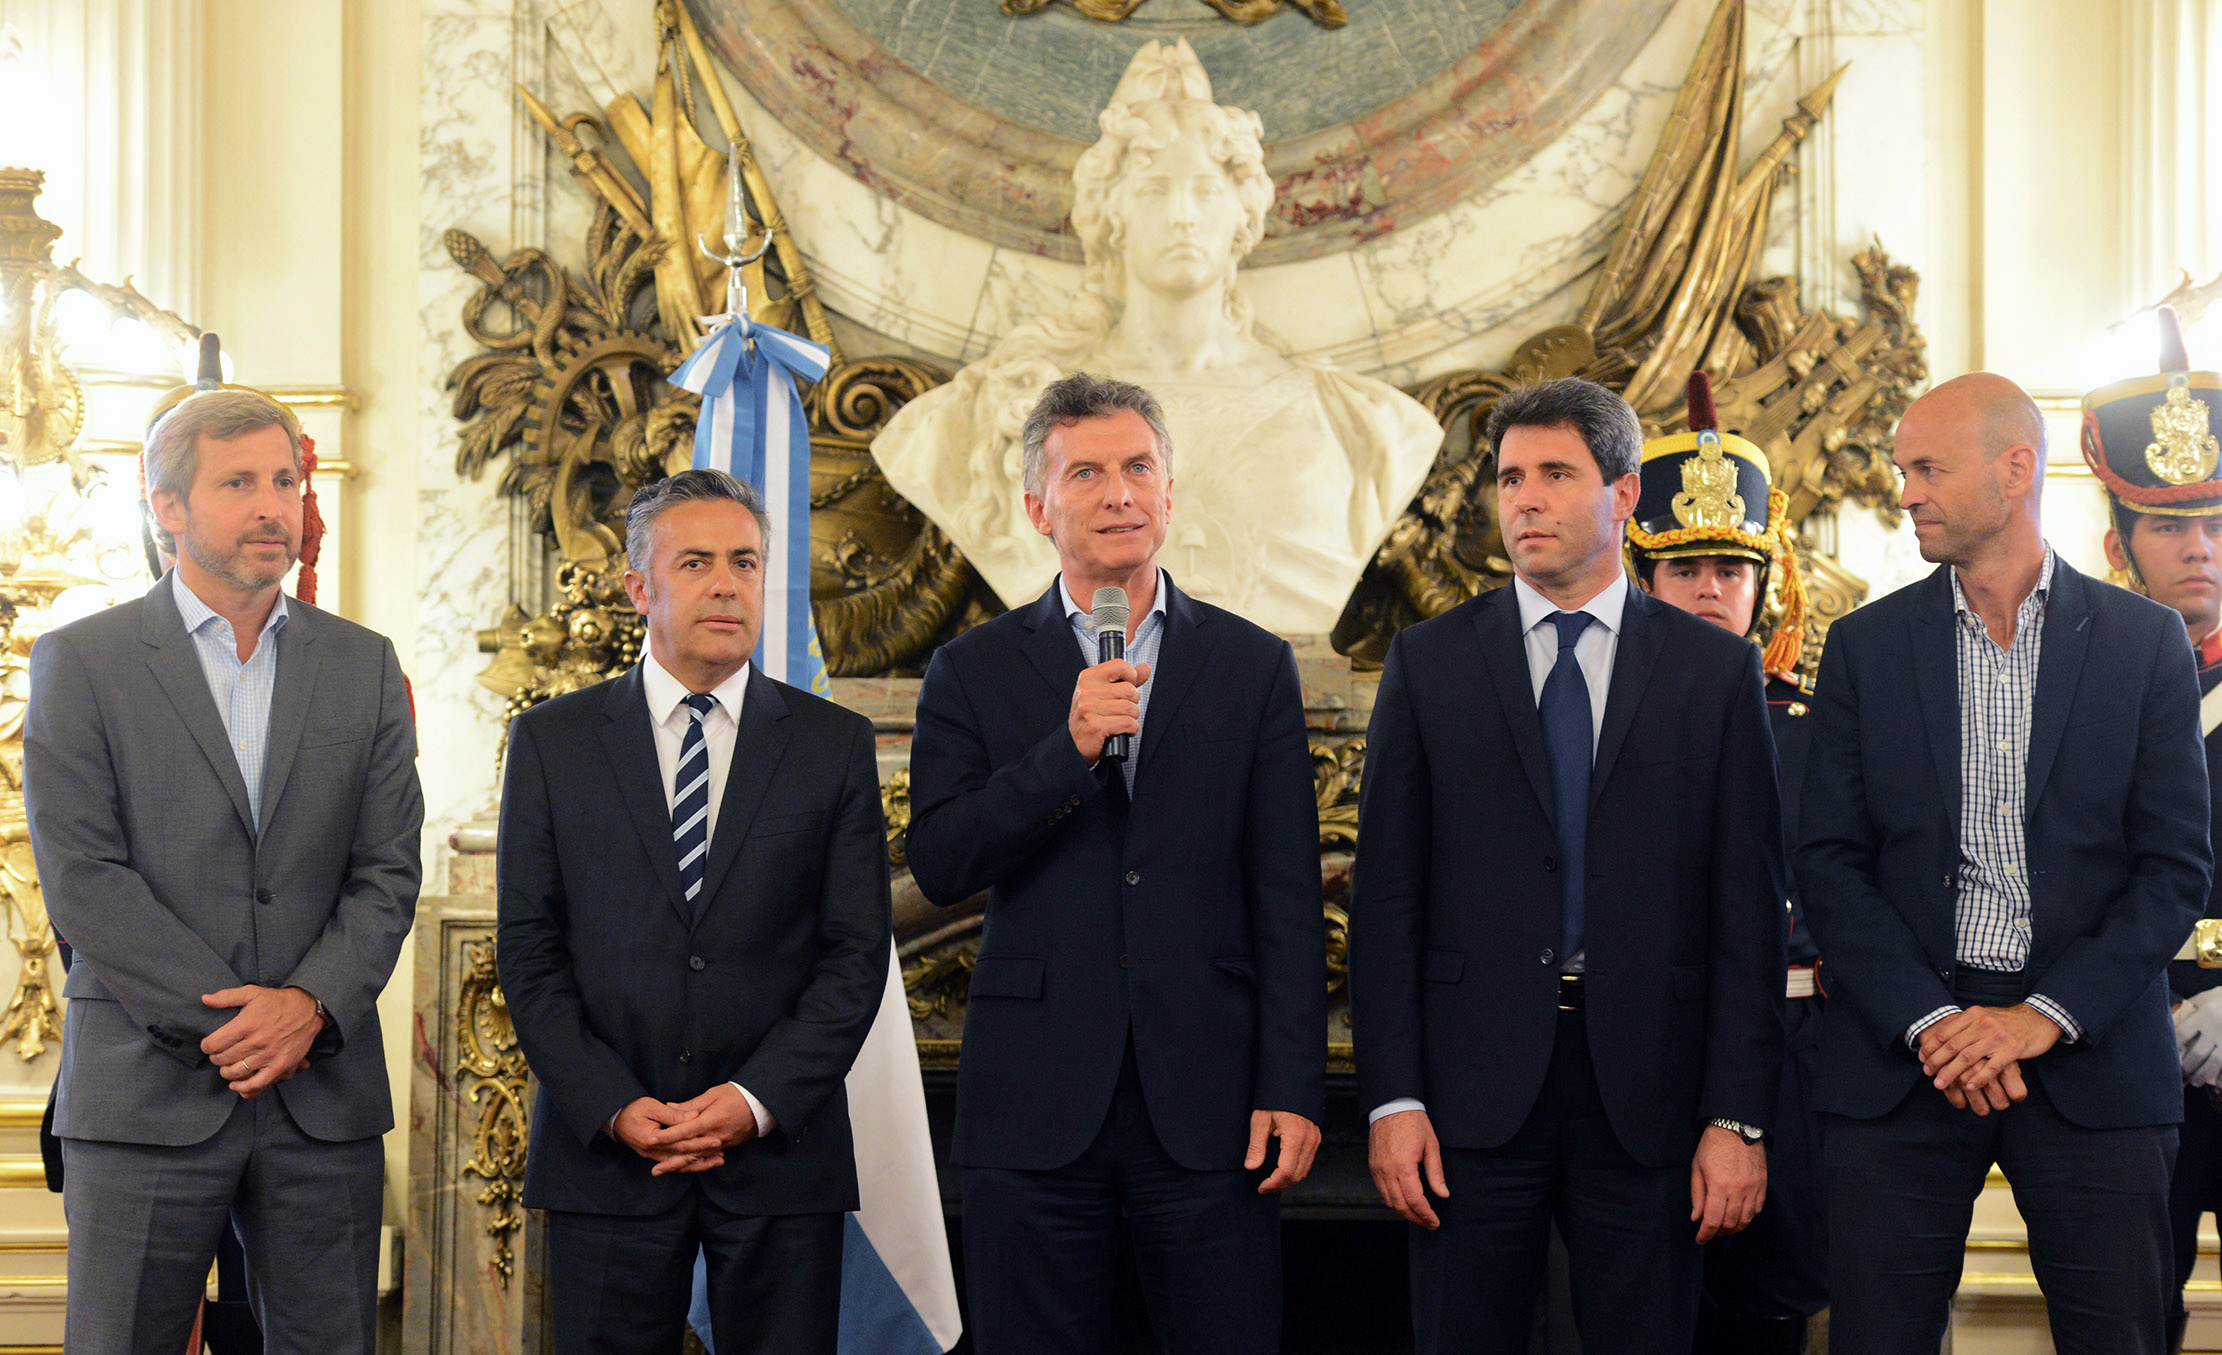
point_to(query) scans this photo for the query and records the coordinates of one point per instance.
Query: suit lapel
(178, 669)
(758, 746)
(631, 746)
(1936, 679)
(1186, 649)
(1633, 659)
(1504, 652)
(2067, 634)
(1051, 647)
(298, 661)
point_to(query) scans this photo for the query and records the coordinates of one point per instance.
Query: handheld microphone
(1108, 615)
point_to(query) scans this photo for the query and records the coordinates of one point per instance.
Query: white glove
(2199, 1037)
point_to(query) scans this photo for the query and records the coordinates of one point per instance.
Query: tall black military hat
(1709, 492)
(2155, 441)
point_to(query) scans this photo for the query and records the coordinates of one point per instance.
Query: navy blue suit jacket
(619, 989)
(1454, 982)
(2119, 861)
(1192, 919)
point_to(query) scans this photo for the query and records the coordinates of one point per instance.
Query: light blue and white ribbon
(753, 428)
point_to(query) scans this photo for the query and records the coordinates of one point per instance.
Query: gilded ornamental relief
(569, 407)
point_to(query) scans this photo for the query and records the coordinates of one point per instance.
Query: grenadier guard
(2153, 442)
(1710, 535)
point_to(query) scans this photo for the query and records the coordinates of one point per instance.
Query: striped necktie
(690, 805)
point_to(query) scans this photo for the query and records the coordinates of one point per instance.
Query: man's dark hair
(1080, 396)
(1606, 423)
(651, 501)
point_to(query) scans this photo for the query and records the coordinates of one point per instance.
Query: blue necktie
(1567, 742)
(690, 804)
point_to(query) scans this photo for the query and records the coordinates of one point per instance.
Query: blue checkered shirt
(1998, 689)
(241, 690)
(1149, 637)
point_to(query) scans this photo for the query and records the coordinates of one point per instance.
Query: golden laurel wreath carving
(492, 1067)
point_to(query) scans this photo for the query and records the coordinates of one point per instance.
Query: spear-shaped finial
(736, 255)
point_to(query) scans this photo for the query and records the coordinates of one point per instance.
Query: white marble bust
(1286, 473)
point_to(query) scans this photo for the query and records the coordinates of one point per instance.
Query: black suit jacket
(616, 994)
(1192, 919)
(1453, 972)
(2117, 837)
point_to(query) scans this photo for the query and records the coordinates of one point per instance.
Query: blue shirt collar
(1073, 609)
(196, 613)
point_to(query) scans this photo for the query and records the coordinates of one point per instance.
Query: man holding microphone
(1147, 1015)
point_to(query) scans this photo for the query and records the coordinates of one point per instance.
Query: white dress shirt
(667, 717)
(1593, 653)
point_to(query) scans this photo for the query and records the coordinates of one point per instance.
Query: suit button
(1134, 877)
(696, 962)
(1073, 803)
(1550, 863)
(686, 1056)
(265, 896)
(1547, 956)
(1945, 883)
(1122, 962)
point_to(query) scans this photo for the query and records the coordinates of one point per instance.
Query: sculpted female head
(1175, 193)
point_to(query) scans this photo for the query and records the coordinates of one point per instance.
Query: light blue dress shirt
(1149, 637)
(242, 691)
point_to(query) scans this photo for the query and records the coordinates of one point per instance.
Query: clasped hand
(1974, 1056)
(1106, 701)
(267, 1042)
(686, 1136)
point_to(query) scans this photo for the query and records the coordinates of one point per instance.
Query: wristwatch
(1739, 1129)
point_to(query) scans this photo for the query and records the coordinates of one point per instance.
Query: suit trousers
(1901, 1194)
(622, 1283)
(1633, 1260)
(144, 1223)
(1041, 1247)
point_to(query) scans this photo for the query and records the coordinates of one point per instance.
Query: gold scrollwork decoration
(895, 811)
(1335, 772)
(936, 984)
(488, 1057)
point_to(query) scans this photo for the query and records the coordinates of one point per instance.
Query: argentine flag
(898, 1294)
(752, 428)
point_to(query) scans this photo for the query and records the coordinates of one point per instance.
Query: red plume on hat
(1702, 414)
(209, 376)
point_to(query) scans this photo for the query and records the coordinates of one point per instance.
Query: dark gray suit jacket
(155, 871)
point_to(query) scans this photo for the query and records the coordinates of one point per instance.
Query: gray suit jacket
(155, 871)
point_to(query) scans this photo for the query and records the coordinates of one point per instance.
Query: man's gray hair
(172, 456)
(1080, 396)
(1607, 424)
(650, 501)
